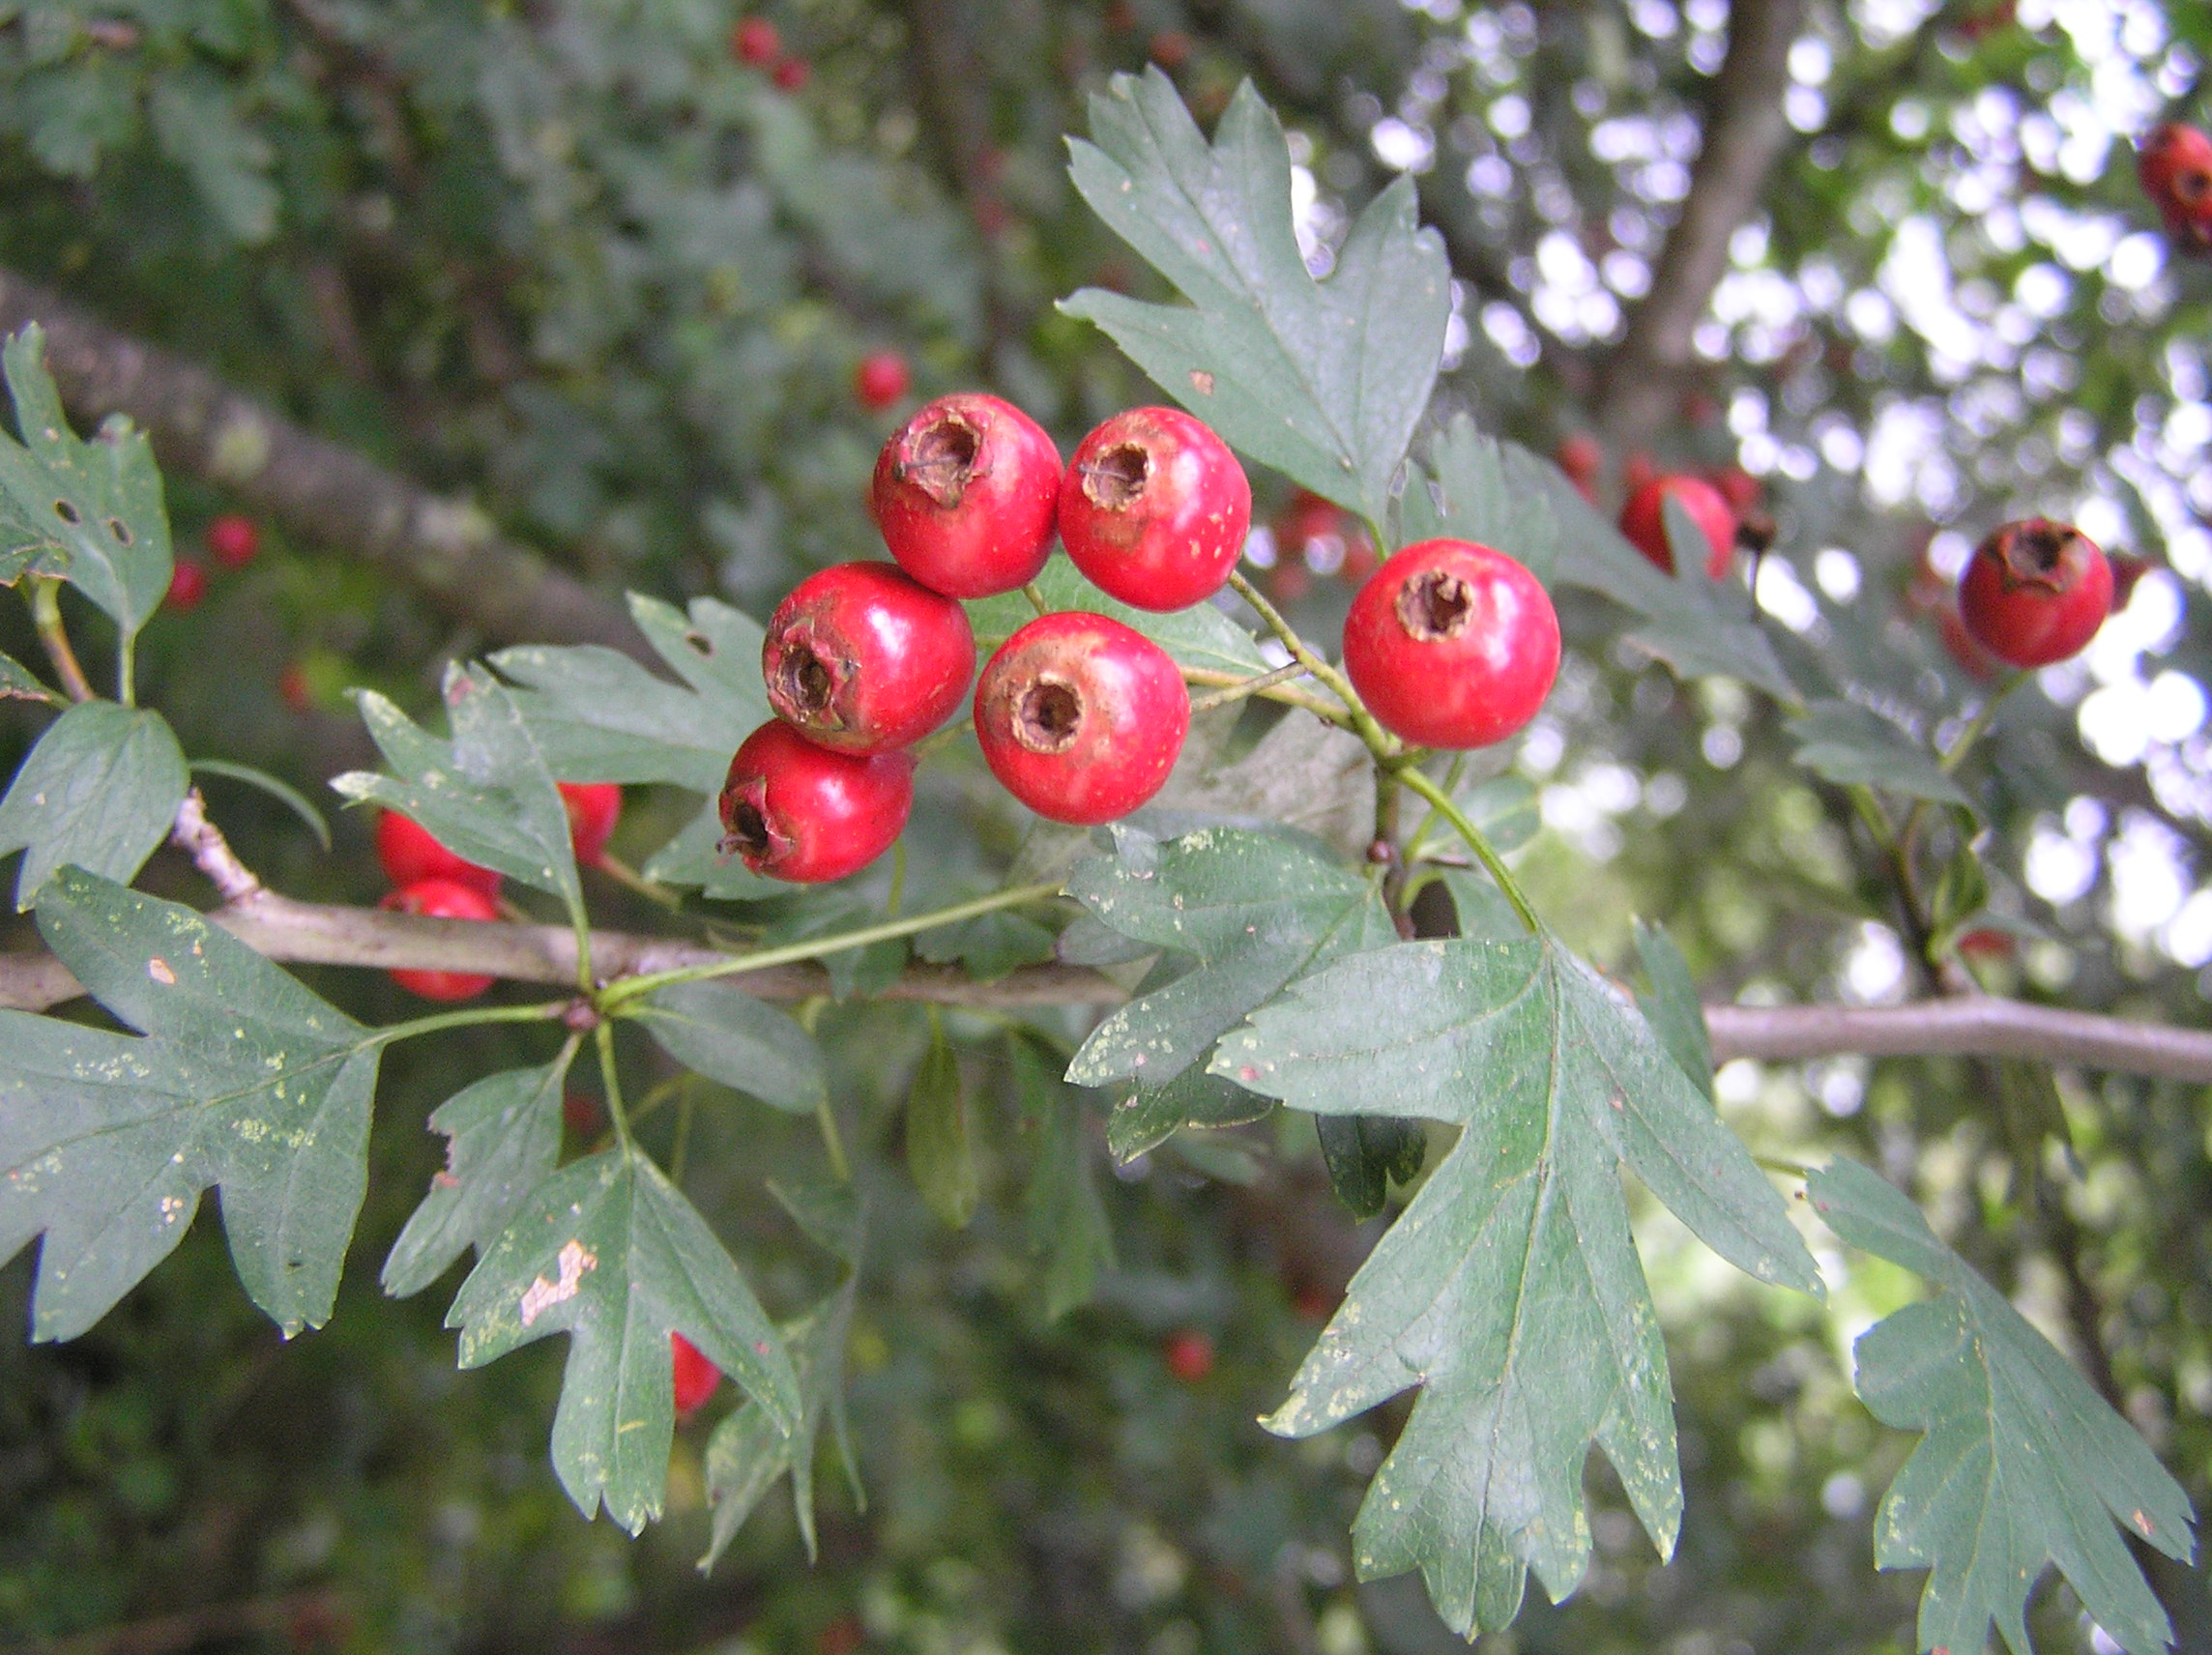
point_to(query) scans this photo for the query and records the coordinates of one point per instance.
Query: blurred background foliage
(576, 261)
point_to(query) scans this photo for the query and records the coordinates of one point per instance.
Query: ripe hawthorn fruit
(2176, 166)
(863, 658)
(1155, 508)
(1452, 645)
(1189, 1355)
(1581, 458)
(594, 809)
(2127, 569)
(881, 380)
(792, 73)
(1643, 520)
(696, 1377)
(407, 854)
(233, 541)
(1313, 533)
(755, 41)
(2035, 592)
(1738, 487)
(188, 587)
(442, 899)
(1080, 717)
(794, 811)
(966, 493)
(1960, 645)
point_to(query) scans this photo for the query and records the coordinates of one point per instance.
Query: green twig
(611, 1082)
(684, 1108)
(46, 616)
(833, 1140)
(1380, 741)
(542, 1012)
(1326, 711)
(629, 879)
(1243, 687)
(1036, 600)
(1978, 725)
(1429, 822)
(1418, 783)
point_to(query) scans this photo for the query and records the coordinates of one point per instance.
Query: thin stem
(1036, 600)
(1326, 711)
(47, 614)
(898, 878)
(1978, 726)
(629, 879)
(1429, 822)
(1248, 686)
(543, 1012)
(1419, 782)
(684, 1109)
(1380, 741)
(833, 1140)
(618, 994)
(611, 1082)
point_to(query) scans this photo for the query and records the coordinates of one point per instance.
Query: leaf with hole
(99, 791)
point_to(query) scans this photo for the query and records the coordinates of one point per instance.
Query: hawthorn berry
(1189, 1355)
(1987, 942)
(1738, 487)
(791, 73)
(863, 658)
(442, 899)
(1170, 48)
(966, 493)
(2127, 569)
(1581, 458)
(795, 811)
(187, 585)
(1155, 508)
(407, 854)
(2176, 166)
(1321, 535)
(755, 41)
(1960, 645)
(1452, 645)
(581, 1115)
(2035, 592)
(881, 380)
(1643, 520)
(594, 809)
(295, 689)
(1080, 717)
(696, 1377)
(233, 541)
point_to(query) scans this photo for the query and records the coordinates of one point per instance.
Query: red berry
(881, 380)
(1189, 1355)
(1977, 661)
(442, 899)
(295, 689)
(791, 73)
(1638, 471)
(1581, 458)
(965, 494)
(408, 854)
(696, 1377)
(232, 541)
(594, 809)
(794, 811)
(1987, 942)
(1170, 48)
(2176, 167)
(1738, 487)
(2127, 569)
(1360, 561)
(864, 660)
(1289, 580)
(1155, 508)
(187, 585)
(1643, 520)
(581, 1115)
(1313, 1304)
(1080, 717)
(755, 41)
(1452, 645)
(2035, 592)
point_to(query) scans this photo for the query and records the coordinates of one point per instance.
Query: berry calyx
(2176, 166)
(696, 1377)
(1452, 645)
(1189, 1355)
(1155, 508)
(863, 658)
(188, 587)
(233, 542)
(1080, 717)
(407, 854)
(881, 380)
(1643, 520)
(442, 899)
(594, 809)
(965, 493)
(2035, 592)
(791, 73)
(792, 810)
(755, 41)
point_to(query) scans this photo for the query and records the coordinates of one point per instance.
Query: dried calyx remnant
(1047, 715)
(1116, 480)
(748, 833)
(1435, 605)
(805, 682)
(940, 459)
(2033, 552)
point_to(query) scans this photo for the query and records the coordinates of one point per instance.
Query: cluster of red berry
(233, 542)
(428, 878)
(2176, 166)
(756, 42)
(1724, 502)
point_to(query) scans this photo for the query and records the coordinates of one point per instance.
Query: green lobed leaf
(487, 795)
(1849, 744)
(1476, 488)
(197, 120)
(1671, 1007)
(1323, 380)
(1509, 1290)
(1365, 1155)
(939, 1151)
(728, 1035)
(90, 512)
(989, 946)
(244, 1081)
(100, 791)
(1199, 636)
(1068, 1224)
(502, 1141)
(18, 682)
(609, 1252)
(2020, 1462)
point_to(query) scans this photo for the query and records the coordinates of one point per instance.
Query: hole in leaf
(120, 529)
(67, 513)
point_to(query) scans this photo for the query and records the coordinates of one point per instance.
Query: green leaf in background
(1509, 1290)
(198, 121)
(989, 946)
(748, 1451)
(502, 1141)
(939, 1150)
(727, 1035)
(694, 860)
(1365, 1155)
(609, 1252)
(1671, 1007)
(487, 795)
(90, 512)
(2021, 1461)
(853, 972)
(19, 684)
(1255, 909)
(1199, 636)
(1849, 744)
(99, 791)
(1323, 380)
(1492, 493)
(244, 1081)
(1067, 1226)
